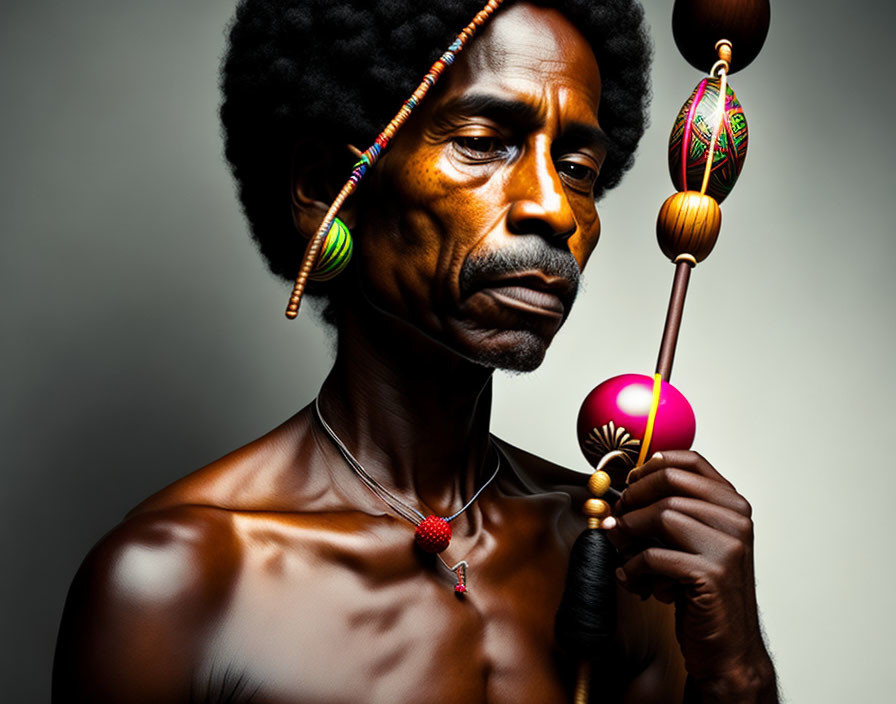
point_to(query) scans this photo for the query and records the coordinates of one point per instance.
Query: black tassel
(586, 621)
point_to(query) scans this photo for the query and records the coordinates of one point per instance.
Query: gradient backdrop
(143, 338)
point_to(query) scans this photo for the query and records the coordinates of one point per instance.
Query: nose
(538, 201)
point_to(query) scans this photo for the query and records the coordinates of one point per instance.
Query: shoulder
(151, 590)
(542, 475)
(166, 555)
(272, 473)
(139, 605)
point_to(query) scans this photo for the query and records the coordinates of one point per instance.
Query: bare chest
(359, 620)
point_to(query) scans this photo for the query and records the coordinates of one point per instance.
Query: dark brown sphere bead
(688, 223)
(698, 24)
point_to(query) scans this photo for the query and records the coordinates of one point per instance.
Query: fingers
(675, 530)
(665, 590)
(656, 565)
(685, 459)
(682, 568)
(659, 480)
(679, 522)
(685, 523)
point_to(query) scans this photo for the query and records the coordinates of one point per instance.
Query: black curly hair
(300, 67)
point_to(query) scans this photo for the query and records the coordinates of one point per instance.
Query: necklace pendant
(433, 534)
(460, 572)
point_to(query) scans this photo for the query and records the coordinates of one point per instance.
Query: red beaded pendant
(433, 534)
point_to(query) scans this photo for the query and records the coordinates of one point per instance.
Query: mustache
(525, 254)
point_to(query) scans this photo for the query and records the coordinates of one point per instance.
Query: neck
(414, 414)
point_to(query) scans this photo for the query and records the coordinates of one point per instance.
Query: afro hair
(297, 67)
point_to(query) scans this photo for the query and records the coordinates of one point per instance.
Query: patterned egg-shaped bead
(335, 252)
(692, 136)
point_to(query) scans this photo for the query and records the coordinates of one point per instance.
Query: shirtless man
(275, 576)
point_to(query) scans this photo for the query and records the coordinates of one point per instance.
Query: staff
(625, 418)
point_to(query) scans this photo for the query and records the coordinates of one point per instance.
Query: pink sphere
(625, 400)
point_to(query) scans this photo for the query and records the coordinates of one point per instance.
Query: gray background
(142, 337)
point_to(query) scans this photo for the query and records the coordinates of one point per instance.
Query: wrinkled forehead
(524, 44)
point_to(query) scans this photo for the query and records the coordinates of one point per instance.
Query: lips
(532, 292)
(519, 296)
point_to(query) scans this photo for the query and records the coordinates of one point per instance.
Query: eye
(577, 175)
(480, 148)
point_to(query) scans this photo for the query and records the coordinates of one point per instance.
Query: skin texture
(274, 576)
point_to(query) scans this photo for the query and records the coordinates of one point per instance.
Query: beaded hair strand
(372, 153)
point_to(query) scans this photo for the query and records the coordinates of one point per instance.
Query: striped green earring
(335, 253)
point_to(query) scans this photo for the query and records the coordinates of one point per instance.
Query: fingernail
(620, 575)
(656, 456)
(609, 523)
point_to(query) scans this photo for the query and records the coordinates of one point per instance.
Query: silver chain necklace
(433, 533)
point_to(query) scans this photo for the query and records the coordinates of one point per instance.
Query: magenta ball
(626, 400)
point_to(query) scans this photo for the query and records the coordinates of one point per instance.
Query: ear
(317, 172)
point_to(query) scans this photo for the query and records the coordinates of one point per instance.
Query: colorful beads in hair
(311, 261)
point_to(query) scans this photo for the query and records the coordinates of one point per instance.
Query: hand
(686, 538)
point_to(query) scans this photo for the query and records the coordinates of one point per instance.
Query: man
(287, 571)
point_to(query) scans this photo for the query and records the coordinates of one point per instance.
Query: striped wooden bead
(688, 223)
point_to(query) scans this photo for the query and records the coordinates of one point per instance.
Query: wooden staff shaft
(673, 319)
